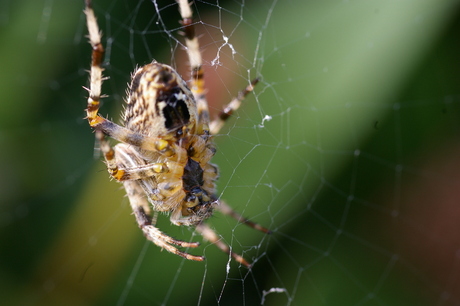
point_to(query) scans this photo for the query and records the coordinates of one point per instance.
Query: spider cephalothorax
(163, 158)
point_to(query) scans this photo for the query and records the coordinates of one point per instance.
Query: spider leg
(141, 211)
(227, 210)
(197, 80)
(127, 157)
(127, 136)
(196, 62)
(96, 61)
(96, 78)
(228, 110)
(212, 237)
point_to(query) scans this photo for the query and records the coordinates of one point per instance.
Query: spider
(165, 146)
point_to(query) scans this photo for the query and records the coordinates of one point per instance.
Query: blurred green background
(348, 151)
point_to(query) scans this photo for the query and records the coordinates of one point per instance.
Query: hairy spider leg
(139, 205)
(126, 173)
(211, 236)
(197, 79)
(227, 210)
(97, 56)
(196, 62)
(96, 78)
(231, 107)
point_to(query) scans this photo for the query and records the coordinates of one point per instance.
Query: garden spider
(163, 158)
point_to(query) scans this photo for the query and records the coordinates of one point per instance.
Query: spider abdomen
(159, 103)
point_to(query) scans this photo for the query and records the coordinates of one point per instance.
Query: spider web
(347, 150)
